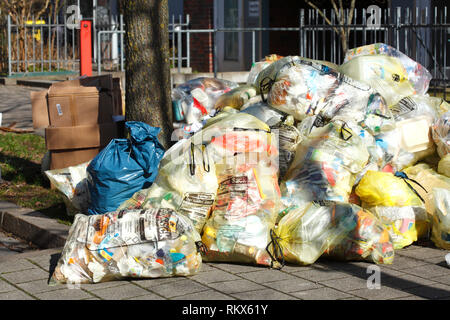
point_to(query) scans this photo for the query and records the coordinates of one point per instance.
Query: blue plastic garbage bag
(124, 167)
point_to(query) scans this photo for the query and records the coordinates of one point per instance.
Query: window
(231, 20)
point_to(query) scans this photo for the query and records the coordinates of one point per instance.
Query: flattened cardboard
(39, 109)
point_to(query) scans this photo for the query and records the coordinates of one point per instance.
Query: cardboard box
(76, 106)
(80, 137)
(65, 158)
(83, 96)
(39, 109)
(71, 146)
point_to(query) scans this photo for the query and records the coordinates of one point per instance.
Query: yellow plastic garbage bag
(128, 244)
(325, 165)
(72, 183)
(441, 134)
(187, 180)
(331, 229)
(288, 139)
(305, 88)
(440, 234)
(419, 76)
(444, 166)
(429, 179)
(248, 197)
(396, 203)
(187, 184)
(247, 204)
(383, 73)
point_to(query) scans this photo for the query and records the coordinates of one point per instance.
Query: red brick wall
(201, 16)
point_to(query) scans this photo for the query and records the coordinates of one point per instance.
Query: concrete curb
(32, 226)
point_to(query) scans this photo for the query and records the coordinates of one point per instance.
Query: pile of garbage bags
(306, 160)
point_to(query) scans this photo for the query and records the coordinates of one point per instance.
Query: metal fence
(422, 34)
(45, 47)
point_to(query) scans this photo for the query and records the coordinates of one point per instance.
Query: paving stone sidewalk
(418, 273)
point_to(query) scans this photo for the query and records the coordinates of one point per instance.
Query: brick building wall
(201, 14)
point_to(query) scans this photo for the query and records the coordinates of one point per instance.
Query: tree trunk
(147, 70)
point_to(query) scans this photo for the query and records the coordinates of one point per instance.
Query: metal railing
(421, 34)
(43, 47)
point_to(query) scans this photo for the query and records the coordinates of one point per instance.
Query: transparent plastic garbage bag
(248, 196)
(72, 183)
(303, 87)
(419, 76)
(440, 234)
(383, 73)
(325, 165)
(186, 182)
(441, 134)
(128, 244)
(335, 230)
(395, 201)
(248, 201)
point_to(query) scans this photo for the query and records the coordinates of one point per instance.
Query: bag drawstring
(192, 166)
(265, 84)
(277, 250)
(403, 176)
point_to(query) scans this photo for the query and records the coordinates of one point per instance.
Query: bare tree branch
(43, 9)
(344, 19)
(312, 5)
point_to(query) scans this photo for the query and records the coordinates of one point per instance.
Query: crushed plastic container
(128, 244)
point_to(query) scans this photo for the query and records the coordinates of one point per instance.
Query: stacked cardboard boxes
(78, 117)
